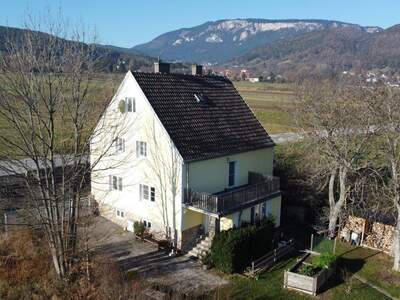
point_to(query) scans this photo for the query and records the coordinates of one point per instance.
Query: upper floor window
(119, 145)
(144, 192)
(130, 104)
(115, 183)
(147, 193)
(141, 149)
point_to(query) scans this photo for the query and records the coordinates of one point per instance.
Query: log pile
(354, 224)
(380, 236)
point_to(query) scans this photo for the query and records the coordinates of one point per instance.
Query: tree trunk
(335, 207)
(396, 243)
(396, 203)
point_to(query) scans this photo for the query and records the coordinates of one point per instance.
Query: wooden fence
(268, 260)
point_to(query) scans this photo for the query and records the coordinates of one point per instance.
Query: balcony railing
(234, 199)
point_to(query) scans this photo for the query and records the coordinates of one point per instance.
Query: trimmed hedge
(233, 250)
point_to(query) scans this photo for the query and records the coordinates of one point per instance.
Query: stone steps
(201, 249)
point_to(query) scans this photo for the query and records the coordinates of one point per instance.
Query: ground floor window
(120, 213)
(147, 224)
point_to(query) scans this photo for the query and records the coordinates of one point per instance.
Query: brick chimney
(197, 70)
(161, 67)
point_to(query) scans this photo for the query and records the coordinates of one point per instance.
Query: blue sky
(127, 23)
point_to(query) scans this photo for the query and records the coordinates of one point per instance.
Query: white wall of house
(212, 175)
(161, 168)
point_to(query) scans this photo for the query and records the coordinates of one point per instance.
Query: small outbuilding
(371, 230)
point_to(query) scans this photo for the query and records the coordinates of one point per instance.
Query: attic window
(199, 98)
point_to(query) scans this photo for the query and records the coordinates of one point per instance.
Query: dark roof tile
(220, 125)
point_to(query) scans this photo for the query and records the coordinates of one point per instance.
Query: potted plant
(206, 261)
(139, 229)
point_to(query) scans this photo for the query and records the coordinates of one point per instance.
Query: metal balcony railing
(234, 199)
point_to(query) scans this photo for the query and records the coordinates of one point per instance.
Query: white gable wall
(162, 168)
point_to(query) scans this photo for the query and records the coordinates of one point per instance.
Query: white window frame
(130, 104)
(141, 149)
(115, 183)
(146, 223)
(119, 213)
(119, 145)
(144, 192)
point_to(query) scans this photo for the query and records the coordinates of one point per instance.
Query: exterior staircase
(202, 248)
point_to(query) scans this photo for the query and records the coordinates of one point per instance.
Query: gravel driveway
(178, 273)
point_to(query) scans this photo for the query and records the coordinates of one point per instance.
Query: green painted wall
(212, 175)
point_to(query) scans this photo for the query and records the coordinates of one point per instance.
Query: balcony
(259, 189)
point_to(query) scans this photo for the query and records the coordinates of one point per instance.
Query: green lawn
(374, 266)
(270, 286)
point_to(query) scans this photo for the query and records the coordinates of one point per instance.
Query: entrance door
(252, 215)
(269, 208)
(130, 226)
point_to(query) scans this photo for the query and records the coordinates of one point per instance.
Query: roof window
(199, 98)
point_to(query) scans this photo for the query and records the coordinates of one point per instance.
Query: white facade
(139, 175)
(148, 158)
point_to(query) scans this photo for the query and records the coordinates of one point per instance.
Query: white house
(185, 155)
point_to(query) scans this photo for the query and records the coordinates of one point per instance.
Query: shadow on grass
(345, 267)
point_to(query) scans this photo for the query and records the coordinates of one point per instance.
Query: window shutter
(137, 148)
(133, 104)
(140, 191)
(110, 182)
(120, 183)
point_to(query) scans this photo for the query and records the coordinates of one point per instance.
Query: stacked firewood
(380, 236)
(354, 224)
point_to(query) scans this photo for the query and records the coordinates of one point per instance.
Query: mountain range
(291, 48)
(110, 59)
(219, 41)
(325, 53)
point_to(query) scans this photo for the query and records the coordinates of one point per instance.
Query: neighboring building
(374, 231)
(244, 75)
(254, 79)
(191, 157)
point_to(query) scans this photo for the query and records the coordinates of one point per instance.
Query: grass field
(371, 265)
(270, 102)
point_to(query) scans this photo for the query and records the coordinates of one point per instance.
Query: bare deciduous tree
(337, 134)
(165, 164)
(49, 114)
(384, 106)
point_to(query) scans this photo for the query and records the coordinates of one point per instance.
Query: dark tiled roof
(219, 125)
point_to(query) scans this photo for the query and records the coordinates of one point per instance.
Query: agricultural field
(271, 103)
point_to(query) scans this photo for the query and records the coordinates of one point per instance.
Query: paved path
(179, 273)
(380, 290)
(283, 138)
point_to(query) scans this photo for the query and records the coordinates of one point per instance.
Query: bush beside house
(234, 250)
